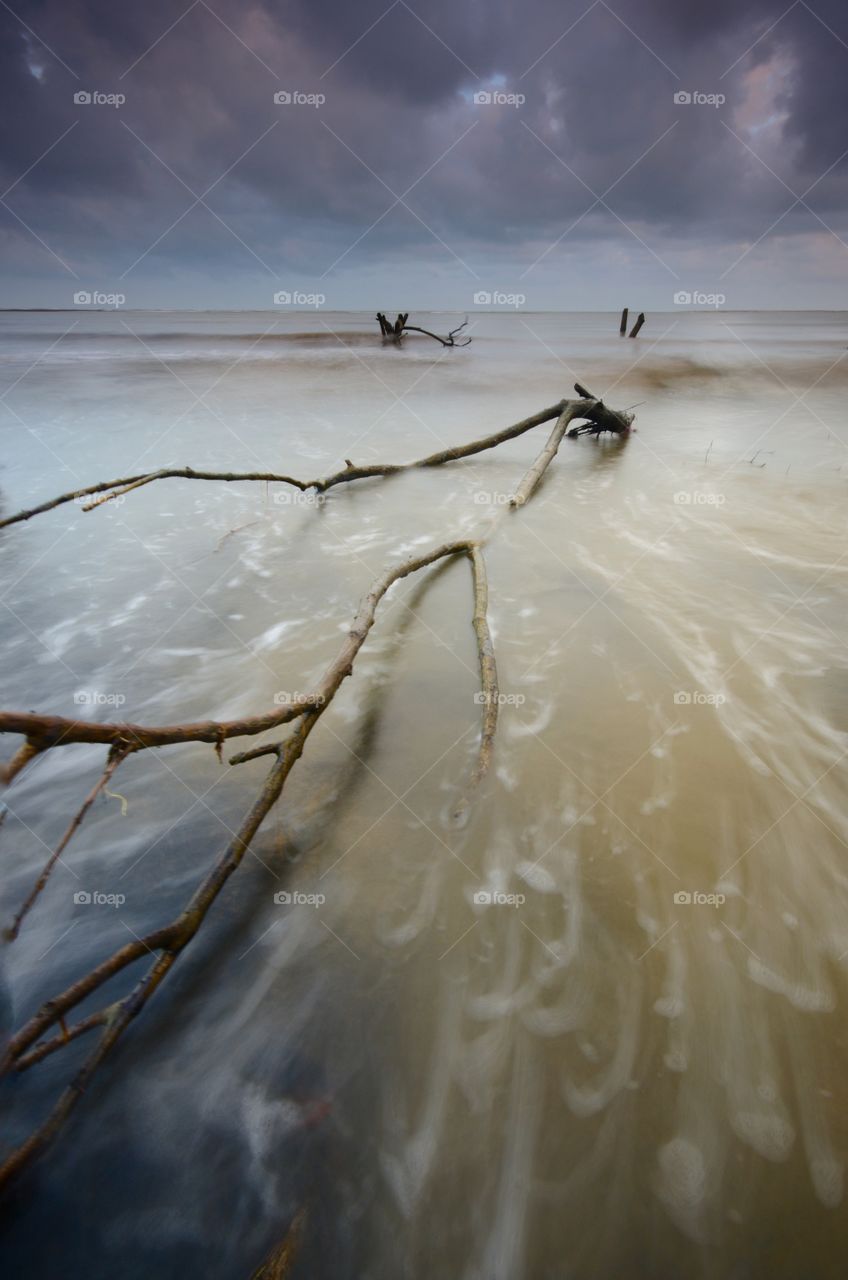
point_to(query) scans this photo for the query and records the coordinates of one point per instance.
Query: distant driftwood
(622, 328)
(49, 1030)
(396, 331)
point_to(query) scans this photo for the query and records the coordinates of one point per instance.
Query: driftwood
(108, 490)
(640, 320)
(47, 1032)
(530, 482)
(600, 419)
(173, 938)
(622, 329)
(400, 327)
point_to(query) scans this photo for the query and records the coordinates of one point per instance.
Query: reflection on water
(600, 1030)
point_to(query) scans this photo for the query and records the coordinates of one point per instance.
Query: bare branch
(117, 488)
(116, 756)
(171, 940)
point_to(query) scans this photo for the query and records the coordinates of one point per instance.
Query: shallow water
(593, 1078)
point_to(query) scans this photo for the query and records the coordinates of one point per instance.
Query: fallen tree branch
(44, 732)
(172, 940)
(530, 482)
(118, 488)
(400, 327)
(449, 341)
(586, 407)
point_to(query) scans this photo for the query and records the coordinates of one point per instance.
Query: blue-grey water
(633, 1061)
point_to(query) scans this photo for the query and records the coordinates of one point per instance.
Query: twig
(117, 755)
(449, 341)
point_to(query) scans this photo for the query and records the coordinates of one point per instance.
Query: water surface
(635, 1063)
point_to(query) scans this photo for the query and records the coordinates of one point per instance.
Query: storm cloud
(428, 149)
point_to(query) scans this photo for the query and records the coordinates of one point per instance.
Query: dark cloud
(491, 182)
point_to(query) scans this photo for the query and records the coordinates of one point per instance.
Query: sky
(431, 154)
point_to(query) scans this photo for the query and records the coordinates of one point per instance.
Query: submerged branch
(111, 489)
(171, 940)
(116, 757)
(530, 482)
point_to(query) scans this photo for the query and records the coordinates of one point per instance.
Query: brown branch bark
(489, 696)
(530, 481)
(116, 756)
(117, 488)
(44, 732)
(449, 341)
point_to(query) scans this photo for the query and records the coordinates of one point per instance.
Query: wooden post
(623, 329)
(638, 325)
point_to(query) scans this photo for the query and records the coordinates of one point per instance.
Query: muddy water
(600, 1030)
